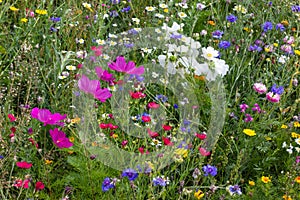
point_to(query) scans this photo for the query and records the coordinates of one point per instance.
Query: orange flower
(210, 22)
(265, 179)
(201, 78)
(297, 179)
(285, 22)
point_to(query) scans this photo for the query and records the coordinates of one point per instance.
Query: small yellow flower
(24, 20)
(296, 124)
(94, 144)
(297, 52)
(285, 22)
(247, 29)
(283, 126)
(0, 1)
(114, 136)
(71, 139)
(267, 49)
(265, 179)
(12, 8)
(275, 44)
(210, 22)
(268, 138)
(48, 162)
(285, 197)
(75, 120)
(198, 194)
(249, 132)
(166, 10)
(297, 179)
(70, 152)
(252, 183)
(41, 12)
(182, 152)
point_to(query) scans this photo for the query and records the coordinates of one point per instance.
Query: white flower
(71, 67)
(155, 75)
(171, 66)
(146, 50)
(200, 6)
(105, 16)
(162, 5)
(100, 42)
(112, 36)
(240, 8)
(112, 43)
(105, 56)
(182, 15)
(175, 27)
(86, 5)
(284, 145)
(282, 59)
(290, 151)
(136, 20)
(150, 8)
(81, 54)
(297, 149)
(159, 15)
(209, 53)
(297, 141)
(183, 5)
(80, 41)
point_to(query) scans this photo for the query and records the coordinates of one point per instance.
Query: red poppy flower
(203, 152)
(201, 136)
(146, 118)
(167, 127)
(24, 165)
(167, 141)
(153, 105)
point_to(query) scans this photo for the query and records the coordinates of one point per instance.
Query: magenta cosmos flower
(45, 116)
(273, 97)
(59, 138)
(24, 165)
(129, 68)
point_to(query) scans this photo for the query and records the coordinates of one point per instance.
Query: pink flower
(146, 118)
(153, 105)
(39, 185)
(24, 165)
(137, 95)
(59, 138)
(104, 75)
(97, 50)
(260, 88)
(152, 134)
(45, 116)
(19, 183)
(11, 117)
(273, 97)
(167, 141)
(129, 68)
(166, 127)
(203, 152)
(201, 136)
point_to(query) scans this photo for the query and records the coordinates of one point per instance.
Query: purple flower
(295, 8)
(104, 75)
(277, 90)
(256, 108)
(209, 170)
(287, 48)
(53, 29)
(231, 18)
(254, 48)
(217, 34)
(114, 13)
(59, 138)
(280, 27)
(267, 26)
(174, 36)
(234, 189)
(45, 116)
(130, 173)
(160, 181)
(133, 31)
(129, 68)
(161, 97)
(107, 184)
(243, 107)
(127, 9)
(224, 44)
(248, 118)
(128, 45)
(115, 1)
(55, 19)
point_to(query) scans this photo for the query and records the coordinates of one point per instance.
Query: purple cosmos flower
(224, 44)
(130, 173)
(209, 170)
(280, 27)
(234, 189)
(104, 75)
(231, 18)
(59, 138)
(267, 26)
(45, 116)
(160, 181)
(217, 34)
(107, 184)
(277, 90)
(243, 107)
(129, 68)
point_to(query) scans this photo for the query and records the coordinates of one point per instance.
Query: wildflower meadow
(174, 99)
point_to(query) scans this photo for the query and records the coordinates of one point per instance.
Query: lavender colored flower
(115, 1)
(200, 6)
(175, 36)
(126, 9)
(59, 138)
(243, 107)
(267, 26)
(256, 108)
(234, 189)
(254, 48)
(113, 13)
(280, 27)
(209, 170)
(231, 18)
(133, 31)
(53, 29)
(217, 34)
(224, 44)
(129, 45)
(161, 97)
(277, 90)
(107, 184)
(295, 8)
(287, 48)
(161, 181)
(55, 19)
(131, 174)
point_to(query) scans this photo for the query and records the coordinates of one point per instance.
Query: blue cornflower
(107, 184)
(231, 18)
(126, 9)
(224, 44)
(55, 19)
(209, 170)
(1, 157)
(280, 27)
(295, 8)
(128, 45)
(186, 122)
(130, 173)
(234, 189)
(267, 26)
(161, 97)
(175, 106)
(133, 31)
(254, 48)
(53, 29)
(114, 13)
(160, 181)
(174, 36)
(217, 34)
(276, 90)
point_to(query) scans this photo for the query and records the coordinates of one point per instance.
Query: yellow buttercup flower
(285, 197)
(41, 12)
(295, 135)
(249, 132)
(48, 162)
(265, 179)
(12, 8)
(252, 183)
(296, 124)
(24, 20)
(198, 194)
(166, 10)
(283, 126)
(297, 52)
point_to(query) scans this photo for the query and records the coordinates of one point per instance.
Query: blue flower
(224, 44)
(161, 97)
(209, 170)
(280, 27)
(295, 8)
(114, 13)
(160, 181)
(130, 173)
(267, 26)
(217, 34)
(133, 31)
(174, 36)
(276, 90)
(107, 184)
(234, 189)
(231, 18)
(55, 19)
(1, 157)
(127, 9)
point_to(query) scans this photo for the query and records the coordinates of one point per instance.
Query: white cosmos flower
(209, 53)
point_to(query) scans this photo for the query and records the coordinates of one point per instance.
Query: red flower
(167, 127)
(19, 183)
(141, 150)
(153, 105)
(152, 134)
(97, 50)
(24, 165)
(201, 136)
(103, 126)
(39, 185)
(11, 117)
(146, 118)
(203, 152)
(13, 129)
(167, 141)
(137, 95)
(112, 127)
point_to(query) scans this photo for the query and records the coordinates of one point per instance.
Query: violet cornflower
(130, 173)
(217, 34)
(267, 26)
(278, 90)
(231, 18)
(234, 189)
(280, 27)
(107, 184)
(162, 181)
(224, 44)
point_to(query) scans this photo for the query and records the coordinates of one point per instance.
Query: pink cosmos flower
(39, 185)
(24, 165)
(260, 88)
(129, 68)
(153, 105)
(204, 152)
(97, 50)
(19, 183)
(273, 97)
(45, 116)
(152, 134)
(11, 117)
(104, 75)
(59, 138)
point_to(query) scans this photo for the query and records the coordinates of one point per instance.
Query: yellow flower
(247, 29)
(199, 194)
(285, 22)
(240, 8)
(48, 162)
(297, 52)
(275, 44)
(297, 179)
(283, 126)
(210, 22)
(296, 124)
(114, 136)
(182, 152)
(71, 139)
(249, 132)
(41, 12)
(268, 138)
(70, 152)
(75, 120)
(0, 1)
(252, 183)
(166, 10)
(265, 179)
(287, 197)
(24, 20)
(267, 49)
(295, 135)
(13, 8)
